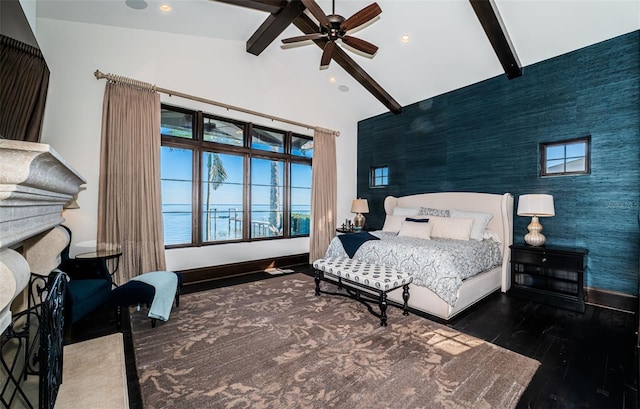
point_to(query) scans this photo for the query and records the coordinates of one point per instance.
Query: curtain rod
(124, 80)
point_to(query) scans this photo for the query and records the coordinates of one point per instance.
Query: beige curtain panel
(129, 203)
(323, 193)
(24, 81)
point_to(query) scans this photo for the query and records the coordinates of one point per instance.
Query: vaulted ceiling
(448, 48)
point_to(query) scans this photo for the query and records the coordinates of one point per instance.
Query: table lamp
(536, 205)
(359, 206)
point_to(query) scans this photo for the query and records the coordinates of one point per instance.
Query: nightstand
(551, 275)
(347, 231)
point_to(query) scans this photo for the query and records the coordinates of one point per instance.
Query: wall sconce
(359, 206)
(537, 205)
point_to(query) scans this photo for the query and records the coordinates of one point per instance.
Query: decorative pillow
(451, 228)
(392, 223)
(419, 230)
(405, 211)
(480, 221)
(417, 219)
(490, 234)
(428, 211)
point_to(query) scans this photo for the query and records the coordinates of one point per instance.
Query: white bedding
(441, 265)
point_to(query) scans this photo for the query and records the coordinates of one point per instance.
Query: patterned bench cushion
(369, 275)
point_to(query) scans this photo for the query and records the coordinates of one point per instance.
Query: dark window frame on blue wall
(566, 157)
(379, 176)
(209, 163)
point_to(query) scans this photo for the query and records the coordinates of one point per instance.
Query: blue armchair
(89, 286)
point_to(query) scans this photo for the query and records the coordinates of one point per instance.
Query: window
(379, 176)
(222, 204)
(300, 199)
(571, 157)
(176, 186)
(225, 180)
(267, 197)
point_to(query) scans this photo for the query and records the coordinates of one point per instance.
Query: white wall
(209, 68)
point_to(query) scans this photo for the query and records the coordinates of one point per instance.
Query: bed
(436, 290)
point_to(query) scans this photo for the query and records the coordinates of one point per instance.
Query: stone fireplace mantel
(35, 184)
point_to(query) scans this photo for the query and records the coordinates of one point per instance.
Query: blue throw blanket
(166, 284)
(351, 242)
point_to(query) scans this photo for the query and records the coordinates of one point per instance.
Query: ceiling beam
(308, 26)
(282, 13)
(273, 26)
(270, 6)
(494, 28)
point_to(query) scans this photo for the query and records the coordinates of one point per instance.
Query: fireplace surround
(35, 184)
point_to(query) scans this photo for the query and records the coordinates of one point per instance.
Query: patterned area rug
(273, 344)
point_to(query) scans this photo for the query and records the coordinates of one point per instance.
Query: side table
(552, 275)
(101, 257)
(349, 231)
(345, 231)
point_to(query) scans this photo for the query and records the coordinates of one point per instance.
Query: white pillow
(418, 230)
(481, 220)
(490, 234)
(392, 223)
(451, 228)
(405, 211)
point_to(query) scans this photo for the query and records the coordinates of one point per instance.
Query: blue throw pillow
(411, 219)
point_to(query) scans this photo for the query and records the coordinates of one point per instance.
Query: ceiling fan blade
(314, 36)
(363, 16)
(327, 53)
(360, 45)
(317, 12)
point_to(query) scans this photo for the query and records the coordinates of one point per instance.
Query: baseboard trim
(611, 299)
(198, 275)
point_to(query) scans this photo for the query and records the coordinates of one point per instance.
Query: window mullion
(197, 200)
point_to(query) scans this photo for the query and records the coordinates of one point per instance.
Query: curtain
(323, 193)
(24, 80)
(129, 203)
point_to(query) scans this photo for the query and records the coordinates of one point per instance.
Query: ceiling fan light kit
(334, 27)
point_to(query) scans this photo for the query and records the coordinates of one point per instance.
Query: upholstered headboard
(501, 206)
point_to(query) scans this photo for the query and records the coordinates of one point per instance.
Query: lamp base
(534, 237)
(358, 221)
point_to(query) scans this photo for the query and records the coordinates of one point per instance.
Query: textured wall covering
(485, 138)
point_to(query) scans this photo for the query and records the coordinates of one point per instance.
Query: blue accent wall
(485, 138)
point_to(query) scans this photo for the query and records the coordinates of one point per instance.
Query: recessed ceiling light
(165, 8)
(332, 79)
(136, 4)
(405, 38)
(343, 88)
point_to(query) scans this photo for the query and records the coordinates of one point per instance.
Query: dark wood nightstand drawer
(573, 262)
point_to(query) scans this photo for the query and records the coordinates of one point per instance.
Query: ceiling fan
(335, 27)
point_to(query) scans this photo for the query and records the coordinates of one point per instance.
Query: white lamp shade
(360, 206)
(536, 205)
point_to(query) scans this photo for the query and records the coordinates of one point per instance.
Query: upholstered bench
(355, 275)
(139, 290)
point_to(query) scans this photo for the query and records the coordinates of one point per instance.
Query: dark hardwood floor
(587, 360)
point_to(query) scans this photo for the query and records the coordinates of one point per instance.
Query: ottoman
(143, 290)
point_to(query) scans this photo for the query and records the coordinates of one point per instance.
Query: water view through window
(239, 197)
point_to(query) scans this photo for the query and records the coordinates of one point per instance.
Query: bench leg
(383, 309)
(405, 297)
(317, 280)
